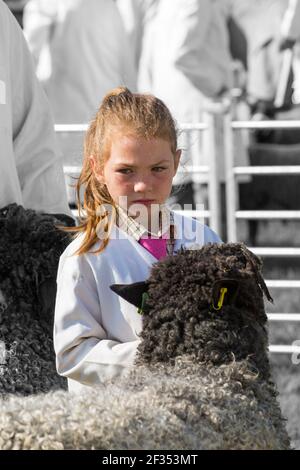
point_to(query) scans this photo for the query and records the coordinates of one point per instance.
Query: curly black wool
(180, 319)
(29, 253)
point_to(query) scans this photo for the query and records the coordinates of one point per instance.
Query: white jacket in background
(96, 332)
(30, 167)
(136, 16)
(202, 45)
(81, 51)
(260, 20)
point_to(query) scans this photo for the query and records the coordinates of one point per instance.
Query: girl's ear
(96, 170)
(177, 160)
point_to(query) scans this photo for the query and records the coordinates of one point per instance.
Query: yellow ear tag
(223, 291)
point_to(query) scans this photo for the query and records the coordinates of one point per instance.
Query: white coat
(96, 332)
(30, 167)
(186, 61)
(136, 16)
(85, 53)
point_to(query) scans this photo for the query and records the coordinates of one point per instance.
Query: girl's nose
(142, 186)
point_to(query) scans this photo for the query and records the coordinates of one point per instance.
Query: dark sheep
(201, 378)
(29, 252)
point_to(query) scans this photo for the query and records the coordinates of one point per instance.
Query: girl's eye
(158, 169)
(124, 171)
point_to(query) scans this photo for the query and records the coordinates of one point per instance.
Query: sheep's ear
(256, 265)
(133, 293)
(224, 292)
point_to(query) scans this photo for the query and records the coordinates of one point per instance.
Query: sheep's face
(206, 302)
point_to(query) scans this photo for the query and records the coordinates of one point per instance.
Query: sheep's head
(207, 303)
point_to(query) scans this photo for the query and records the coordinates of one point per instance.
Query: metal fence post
(231, 184)
(210, 147)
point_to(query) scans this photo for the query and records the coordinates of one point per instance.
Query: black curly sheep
(29, 253)
(181, 307)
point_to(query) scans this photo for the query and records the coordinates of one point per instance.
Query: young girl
(130, 159)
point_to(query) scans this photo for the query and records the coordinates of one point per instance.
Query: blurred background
(229, 70)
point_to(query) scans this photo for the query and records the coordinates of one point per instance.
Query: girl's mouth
(146, 202)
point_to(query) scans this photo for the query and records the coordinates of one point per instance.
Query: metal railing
(233, 172)
(233, 214)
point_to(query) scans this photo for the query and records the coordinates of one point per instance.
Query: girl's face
(138, 170)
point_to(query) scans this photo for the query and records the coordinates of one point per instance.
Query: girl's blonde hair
(142, 114)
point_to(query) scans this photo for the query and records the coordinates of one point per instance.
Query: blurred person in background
(81, 51)
(290, 39)
(260, 20)
(187, 64)
(30, 165)
(137, 16)
(237, 38)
